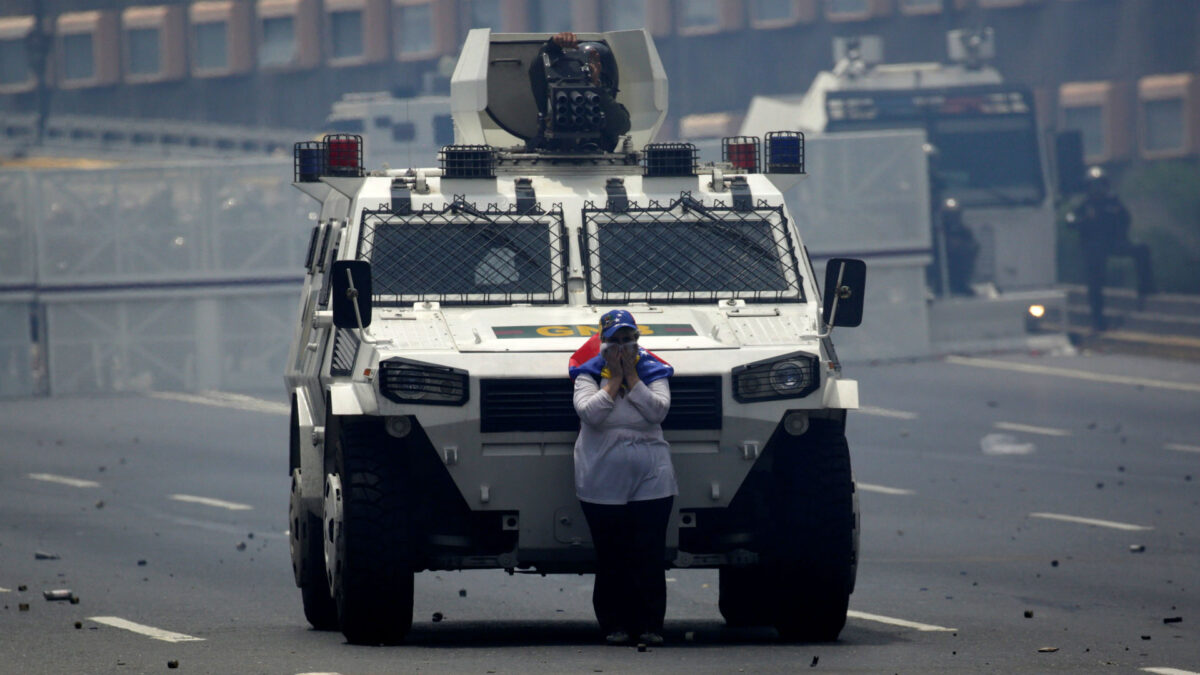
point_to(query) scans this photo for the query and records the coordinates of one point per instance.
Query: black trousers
(631, 586)
(1095, 260)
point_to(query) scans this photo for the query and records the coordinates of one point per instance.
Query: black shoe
(617, 637)
(650, 638)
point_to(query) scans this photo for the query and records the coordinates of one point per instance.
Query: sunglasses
(624, 339)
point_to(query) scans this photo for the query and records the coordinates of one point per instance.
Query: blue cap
(614, 320)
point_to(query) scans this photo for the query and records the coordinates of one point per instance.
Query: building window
(550, 16)
(486, 14)
(346, 32)
(699, 14)
(443, 130)
(212, 46)
(278, 46)
(78, 57)
(921, 6)
(849, 7)
(772, 10)
(1088, 121)
(623, 14)
(1164, 125)
(144, 51)
(414, 31)
(14, 62)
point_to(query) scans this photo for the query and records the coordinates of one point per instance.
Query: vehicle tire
(744, 596)
(813, 560)
(308, 562)
(371, 572)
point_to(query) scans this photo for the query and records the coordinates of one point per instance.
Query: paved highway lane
(974, 477)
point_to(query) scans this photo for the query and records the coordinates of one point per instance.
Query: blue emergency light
(784, 151)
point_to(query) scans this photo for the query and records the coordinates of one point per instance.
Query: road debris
(1005, 444)
(23, 607)
(1137, 548)
(58, 595)
(814, 662)
(241, 546)
(1047, 650)
(172, 663)
(437, 617)
(641, 646)
(100, 504)
(1145, 637)
(42, 555)
(1054, 563)
(141, 563)
(1173, 619)
(1029, 614)
(22, 588)
(462, 592)
(78, 625)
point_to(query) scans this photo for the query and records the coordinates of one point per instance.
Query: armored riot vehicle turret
(432, 423)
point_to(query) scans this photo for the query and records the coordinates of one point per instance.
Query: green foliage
(1164, 200)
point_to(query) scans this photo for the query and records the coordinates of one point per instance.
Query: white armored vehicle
(432, 423)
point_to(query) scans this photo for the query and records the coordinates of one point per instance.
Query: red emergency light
(343, 154)
(741, 151)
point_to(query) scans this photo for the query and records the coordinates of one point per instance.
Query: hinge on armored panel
(401, 198)
(526, 197)
(742, 199)
(618, 199)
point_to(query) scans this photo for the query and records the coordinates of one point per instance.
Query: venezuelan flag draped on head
(587, 359)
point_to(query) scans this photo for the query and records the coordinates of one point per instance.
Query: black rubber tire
(811, 572)
(374, 591)
(743, 597)
(319, 607)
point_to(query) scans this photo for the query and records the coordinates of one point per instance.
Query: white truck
(432, 424)
(985, 151)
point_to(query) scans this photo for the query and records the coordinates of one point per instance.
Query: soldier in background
(1103, 225)
(960, 249)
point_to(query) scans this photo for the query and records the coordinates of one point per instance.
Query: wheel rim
(332, 522)
(294, 526)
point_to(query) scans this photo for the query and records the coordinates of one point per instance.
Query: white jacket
(620, 455)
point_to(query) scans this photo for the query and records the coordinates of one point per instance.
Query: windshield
(463, 256)
(987, 161)
(689, 253)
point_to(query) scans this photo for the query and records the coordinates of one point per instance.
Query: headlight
(405, 381)
(791, 376)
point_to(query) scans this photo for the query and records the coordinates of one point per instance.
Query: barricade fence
(177, 277)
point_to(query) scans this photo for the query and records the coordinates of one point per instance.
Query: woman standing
(624, 479)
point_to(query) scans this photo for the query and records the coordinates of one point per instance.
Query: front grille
(546, 404)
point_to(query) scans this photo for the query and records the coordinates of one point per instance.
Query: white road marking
(209, 501)
(1030, 429)
(222, 399)
(1169, 671)
(1092, 521)
(882, 489)
(1076, 374)
(886, 412)
(897, 622)
(148, 631)
(1180, 447)
(64, 480)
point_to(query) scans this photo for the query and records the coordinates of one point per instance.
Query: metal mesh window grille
(689, 252)
(464, 256)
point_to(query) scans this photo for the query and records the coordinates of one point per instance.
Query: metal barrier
(171, 277)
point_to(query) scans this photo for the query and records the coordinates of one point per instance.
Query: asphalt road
(973, 474)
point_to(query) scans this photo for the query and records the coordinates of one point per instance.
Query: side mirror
(351, 290)
(845, 284)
